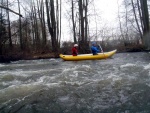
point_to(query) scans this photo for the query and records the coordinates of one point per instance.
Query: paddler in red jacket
(74, 50)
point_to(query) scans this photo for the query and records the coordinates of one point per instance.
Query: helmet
(75, 45)
(93, 43)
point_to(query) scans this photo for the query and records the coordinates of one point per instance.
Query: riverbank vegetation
(36, 31)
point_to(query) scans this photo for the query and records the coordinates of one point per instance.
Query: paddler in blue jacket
(94, 48)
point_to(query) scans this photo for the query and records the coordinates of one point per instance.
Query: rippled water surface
(117, 85)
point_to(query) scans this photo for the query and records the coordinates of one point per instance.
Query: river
(120, 84)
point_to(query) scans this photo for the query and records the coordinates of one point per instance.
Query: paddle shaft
(102, 51)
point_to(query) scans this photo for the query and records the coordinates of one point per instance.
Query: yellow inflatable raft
(88, 56)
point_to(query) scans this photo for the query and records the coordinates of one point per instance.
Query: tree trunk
(60, 24)
(86, 20)
(140, 15)
(40, 6)
(135, 16)
(81, 19)
(52, 25)
(54, 42)
(73, 23)
(145, 15)
(9, 29)
(20, 29)
(83, 44)
(120, 24)
(11, 10)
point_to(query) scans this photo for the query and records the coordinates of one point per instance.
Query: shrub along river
(120, 84)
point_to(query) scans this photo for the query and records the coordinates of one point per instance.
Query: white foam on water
(19, 75)
(123, 98)
(52, 59)
(11, 83)
(44, 79)
(24, 73)
(66, 76)
(15, 91)
(32, 73)
(74, 72)
(86, 66)
(147, 67)
(64, 98)
(51, 85)
(32, 62)
(67, 70)
(24, 63)
(19, 72)
(128, 65)
(48, 81)
(114, 77)
(1, 65)
(72, 83)
(78, 67)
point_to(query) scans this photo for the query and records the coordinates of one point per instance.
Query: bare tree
(9, 29)
(10, 10)
(52, 20)
(3, 34)
(83, 25)
(41, 15)
(73, 22)
(145, 20)
(145, 15)
(136, 19)
(140, 15)
(20, 31)
(120, 23)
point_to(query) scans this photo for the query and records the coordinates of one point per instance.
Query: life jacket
(74, 51)
(94, 50)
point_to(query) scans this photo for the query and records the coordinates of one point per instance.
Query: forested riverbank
(37, 30)
(15, 56)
